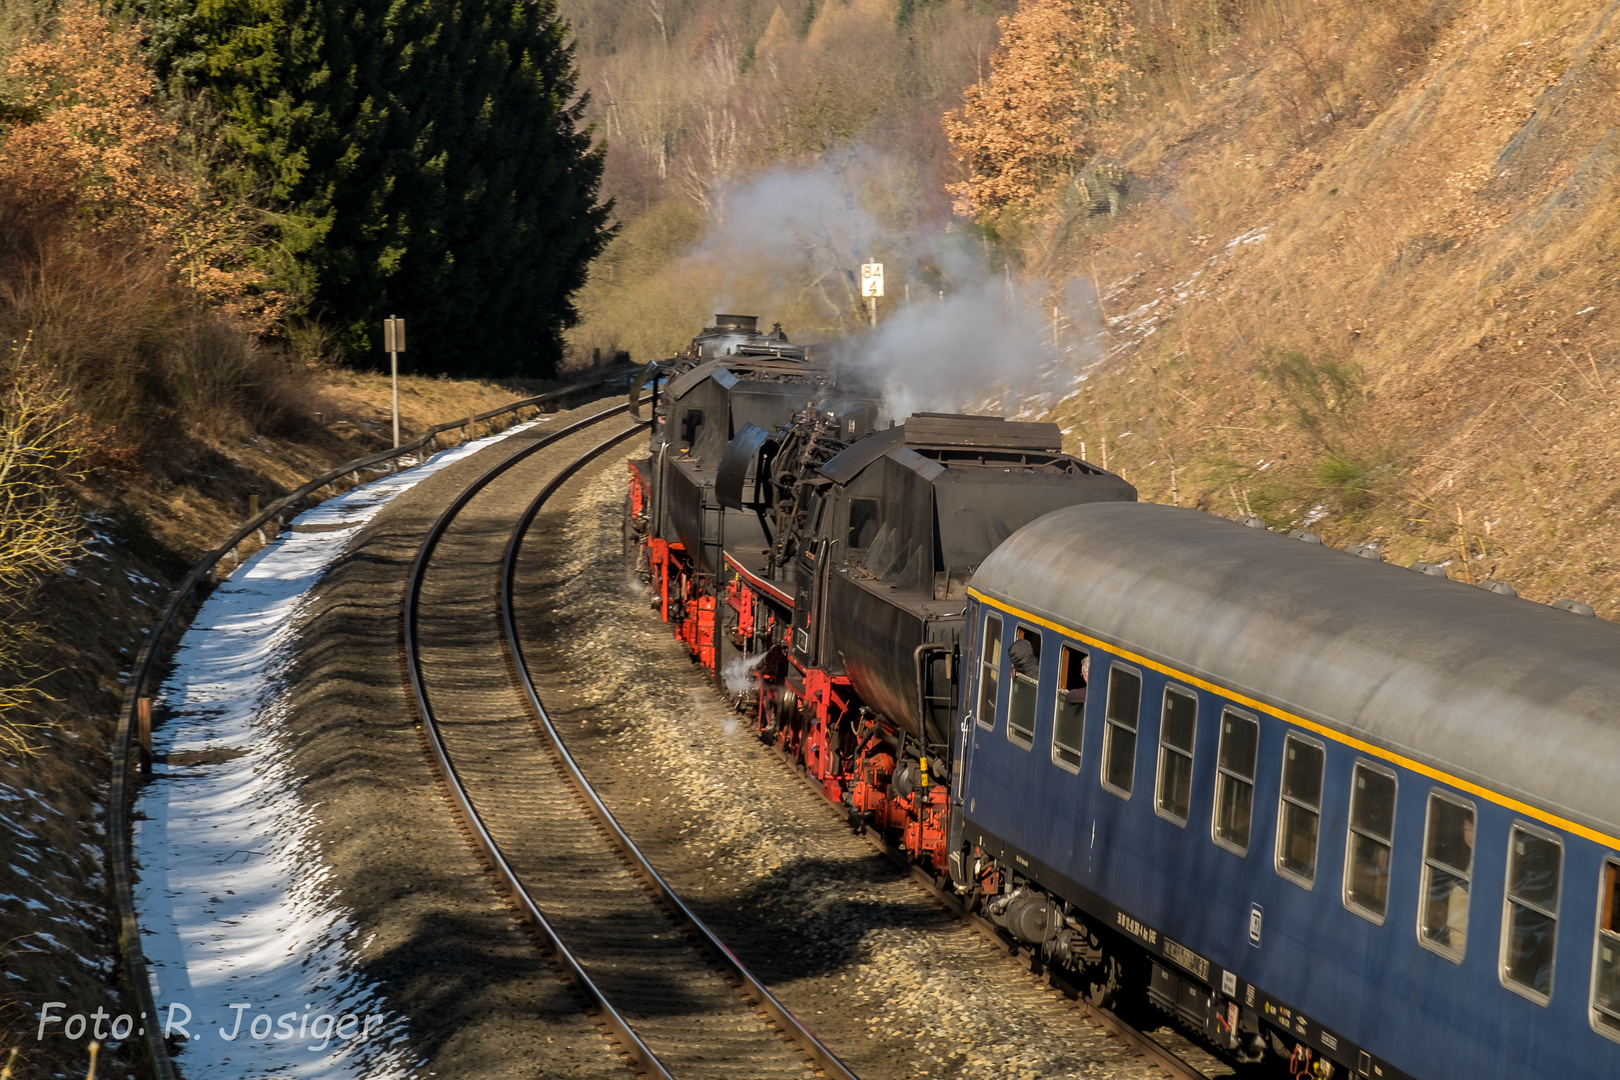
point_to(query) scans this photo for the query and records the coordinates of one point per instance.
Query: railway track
(669, 994)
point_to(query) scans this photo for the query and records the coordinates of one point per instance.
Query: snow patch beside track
(240, 926)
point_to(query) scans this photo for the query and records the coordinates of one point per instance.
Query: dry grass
(1443, 219)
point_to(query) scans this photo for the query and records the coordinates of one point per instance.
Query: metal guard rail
(119, 840)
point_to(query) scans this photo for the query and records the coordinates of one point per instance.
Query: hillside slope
(1372, 289)
(1355, 261)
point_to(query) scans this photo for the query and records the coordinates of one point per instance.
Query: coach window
(1606, 977)
(1299, 809)
(1025, 656)
(1370, 841)
(1448, 868)
(1119, 733)
(989, 662)
(1069, 714)
(1234, 780)
(1177, 726)
(1530, 912)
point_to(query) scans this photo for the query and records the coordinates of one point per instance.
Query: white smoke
(983, 340)
(953, 333)
(790, 236)
(736, 673)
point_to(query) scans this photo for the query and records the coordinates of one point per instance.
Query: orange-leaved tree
(87, 141)
(1060, 67)
(96, 142)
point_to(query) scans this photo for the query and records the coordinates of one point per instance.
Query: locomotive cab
(910, 513)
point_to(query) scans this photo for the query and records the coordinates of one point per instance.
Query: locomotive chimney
(744, 324)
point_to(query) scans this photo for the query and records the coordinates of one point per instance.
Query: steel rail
(752, 988)
(125, 749)
(640, 1055)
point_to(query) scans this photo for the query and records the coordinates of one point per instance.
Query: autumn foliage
(93, 146)
(1060, 67)
(135, 278)
(96, 142)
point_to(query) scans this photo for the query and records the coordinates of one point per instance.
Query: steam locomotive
(1317, 808)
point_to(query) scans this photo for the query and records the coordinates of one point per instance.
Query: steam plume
(952, 333)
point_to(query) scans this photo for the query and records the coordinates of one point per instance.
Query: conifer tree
(428, 156)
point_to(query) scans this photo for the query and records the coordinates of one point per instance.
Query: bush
(39, 520)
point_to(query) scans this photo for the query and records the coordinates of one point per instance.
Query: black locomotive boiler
(732, 377)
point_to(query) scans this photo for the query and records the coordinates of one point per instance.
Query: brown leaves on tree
(99, 142)
(97, 149)
(1033, 121)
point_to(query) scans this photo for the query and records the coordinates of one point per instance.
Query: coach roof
(1496, 692)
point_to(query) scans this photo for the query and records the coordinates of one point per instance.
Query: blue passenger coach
(1350, 812)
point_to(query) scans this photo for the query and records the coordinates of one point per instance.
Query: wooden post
(253, 506)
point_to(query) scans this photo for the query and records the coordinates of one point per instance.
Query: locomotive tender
(1317, 808)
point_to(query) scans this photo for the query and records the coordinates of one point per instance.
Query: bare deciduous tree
(39, 521)
(716, 133)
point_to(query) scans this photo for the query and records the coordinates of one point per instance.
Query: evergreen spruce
(428, 155)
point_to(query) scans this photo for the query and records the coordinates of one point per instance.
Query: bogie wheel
(1104, 987)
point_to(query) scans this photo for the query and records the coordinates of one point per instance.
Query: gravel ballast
(474, 996)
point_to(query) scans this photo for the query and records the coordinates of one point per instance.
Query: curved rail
(637, 1051)
(752, 988)
(125, 748)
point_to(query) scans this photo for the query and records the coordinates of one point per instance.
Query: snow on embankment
(248, 947)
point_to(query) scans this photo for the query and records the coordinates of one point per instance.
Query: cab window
(1069, 714)
(1370, 841)
(1177, 726)
(863, 523)
(1299, 809)
(691, 428)
(1530, 912)
(1024, 657)
(1606, 976)
(1119, 731)
(1448, 872)
(989, 664)
(1234, 781)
